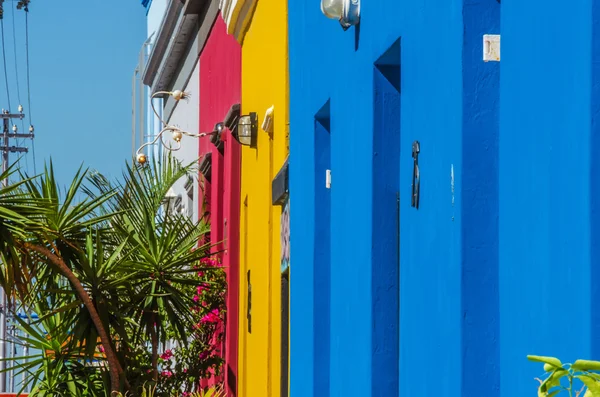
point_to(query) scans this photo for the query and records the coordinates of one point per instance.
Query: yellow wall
(264, 83)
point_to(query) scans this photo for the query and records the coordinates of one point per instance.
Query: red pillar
(220, 88)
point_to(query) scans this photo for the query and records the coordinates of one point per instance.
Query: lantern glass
(245, 130)
(333, 9)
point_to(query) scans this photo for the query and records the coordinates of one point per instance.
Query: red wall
(220, 88)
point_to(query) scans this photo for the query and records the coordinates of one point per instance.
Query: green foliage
(146, 278)
(214, 391)
(572, 379)
(199, 358)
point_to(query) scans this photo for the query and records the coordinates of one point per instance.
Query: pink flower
(212, 317)
(200, 274)
(203, 355)
(210, 262)
(167, 355)
(196, 298)
(167, 373)
(101, 349)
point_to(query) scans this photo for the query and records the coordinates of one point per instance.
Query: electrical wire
(4, 61)
(22, 141)
(28, 85)
(15, 55)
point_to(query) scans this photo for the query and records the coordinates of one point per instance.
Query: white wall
(186, 116)
(155, 16)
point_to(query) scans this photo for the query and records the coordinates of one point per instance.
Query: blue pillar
(545, 185)
(480, 315)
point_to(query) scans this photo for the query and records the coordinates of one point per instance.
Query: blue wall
(502, 257)
(328, 64)
(548, 186)
(322, 258)
(385, 222)
(479, 180)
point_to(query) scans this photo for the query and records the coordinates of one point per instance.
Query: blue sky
(82, 57)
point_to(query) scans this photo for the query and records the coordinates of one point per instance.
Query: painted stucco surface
(549, 186)
(185, 116)
(411, 295)
(264, 84)
(220, 82)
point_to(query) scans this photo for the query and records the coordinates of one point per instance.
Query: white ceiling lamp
(345, 11)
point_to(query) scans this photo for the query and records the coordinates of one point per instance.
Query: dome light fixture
(347, 12)
(141, 158)
(177, 135)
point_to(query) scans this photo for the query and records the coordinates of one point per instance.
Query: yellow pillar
(263, 34)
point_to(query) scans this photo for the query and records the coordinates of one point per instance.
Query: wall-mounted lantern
(345, 11)
(243, 128)
(246, 130)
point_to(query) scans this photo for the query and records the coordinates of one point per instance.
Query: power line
(15, 54)
(27, 57)
(26, 9)
(4, 60)
(18, 80)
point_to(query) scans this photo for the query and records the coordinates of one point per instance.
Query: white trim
(236, 14)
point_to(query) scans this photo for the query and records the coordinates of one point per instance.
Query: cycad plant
(107, 256)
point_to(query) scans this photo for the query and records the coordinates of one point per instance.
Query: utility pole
(6, 149)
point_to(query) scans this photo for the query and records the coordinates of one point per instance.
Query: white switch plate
(328, 179)
(491, 47)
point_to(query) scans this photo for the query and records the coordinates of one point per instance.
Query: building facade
(191, 50)
(261, 29)
(173, 64)
(220, 86)
(435, 239)
(435, 245)
(393, 155)
(548, 240)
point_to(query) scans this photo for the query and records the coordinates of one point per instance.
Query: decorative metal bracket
(416, 180)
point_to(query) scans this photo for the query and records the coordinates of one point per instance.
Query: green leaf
(591, 384)
(551, 381)
(546, 360)
(586, 365)
(555, 377)
(593, 375)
